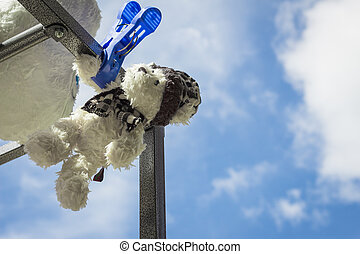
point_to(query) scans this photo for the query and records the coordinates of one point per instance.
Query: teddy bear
(109, 128)
(38, 86)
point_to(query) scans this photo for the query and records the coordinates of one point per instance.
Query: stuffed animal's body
(38, 86)
(109, 129)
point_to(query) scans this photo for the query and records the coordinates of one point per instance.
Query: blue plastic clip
(133, 25)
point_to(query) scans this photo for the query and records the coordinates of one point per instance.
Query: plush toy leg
(45, 148)
(72, 186)
(49, 147)
(122, 152)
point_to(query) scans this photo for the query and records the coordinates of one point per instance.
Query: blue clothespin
(132, 26)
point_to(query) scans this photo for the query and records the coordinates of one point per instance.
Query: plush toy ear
(190, 100)
(181, 98)
(171, 100)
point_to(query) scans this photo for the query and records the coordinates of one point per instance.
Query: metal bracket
(22, 41)
(58, 32)
(30, 38)
(50, 12)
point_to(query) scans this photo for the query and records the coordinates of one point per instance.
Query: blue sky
(273, 150)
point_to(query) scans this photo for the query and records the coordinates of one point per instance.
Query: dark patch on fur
(179, 85)
(171, 100)
(142, 69)
(119, 106)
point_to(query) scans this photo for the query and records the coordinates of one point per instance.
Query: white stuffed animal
(109, 129)
(38, 86)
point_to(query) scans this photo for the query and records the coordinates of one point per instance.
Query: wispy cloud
(220, 105)
(198, 41)
(237, 180)
(260, 96)
(291, 209)
(321, 58)
(252, 212)
(295, 209)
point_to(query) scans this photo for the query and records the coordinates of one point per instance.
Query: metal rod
(10, 151)
(22, 41)
(152, 186)
(77, 39)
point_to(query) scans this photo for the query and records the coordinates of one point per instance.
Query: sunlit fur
(38, 85)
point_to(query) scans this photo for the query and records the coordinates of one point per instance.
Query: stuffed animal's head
(163, 95)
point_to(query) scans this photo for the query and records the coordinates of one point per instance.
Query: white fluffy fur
(38, 85)
(141, 91)
(97, 141)
(86, 67)
(72, 186)
(118, 151)
(183, 115)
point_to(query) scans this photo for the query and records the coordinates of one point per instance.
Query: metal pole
(10, 151)
(76, 39)
(152, 186)
(22, 41)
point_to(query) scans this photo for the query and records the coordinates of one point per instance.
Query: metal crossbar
(57, 23)
(75, 38)
(22, 41)
(10, 151)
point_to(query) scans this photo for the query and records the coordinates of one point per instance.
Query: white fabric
(38, 85)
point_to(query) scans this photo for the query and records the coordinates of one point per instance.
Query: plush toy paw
(87, 66)
(72, 192)
(45, 148)
(72, 185)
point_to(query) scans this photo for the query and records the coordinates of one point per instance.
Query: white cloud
(252, 212)
(29, 183)
(221, 105)
(291, 209)
(294, 193)
(294, 209)
(321, 59)
(290, 22)
(319, 218)
(260, 96)
(307, 137)
(238, 180)
(266, 99)
(196, 40)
